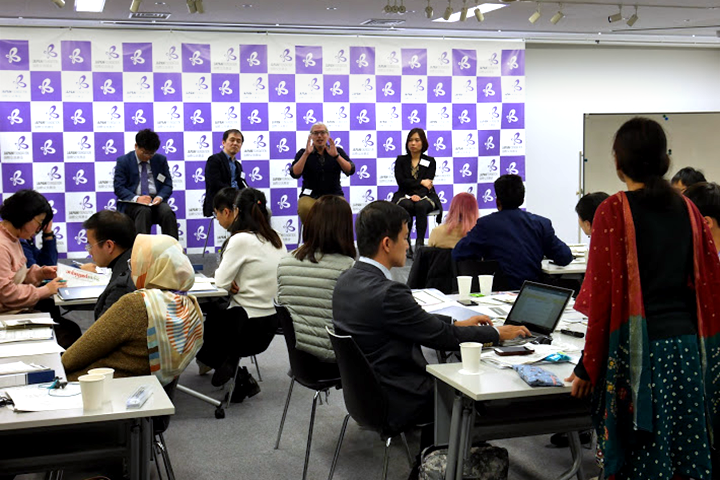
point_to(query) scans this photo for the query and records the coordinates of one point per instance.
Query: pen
(572, 333)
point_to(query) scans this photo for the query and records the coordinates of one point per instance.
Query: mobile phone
(508, 351)
(467, 303)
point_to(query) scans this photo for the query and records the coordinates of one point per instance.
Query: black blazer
(127, 177)
(120, 283)
(389, 327)
(409, 185)
(217, 177)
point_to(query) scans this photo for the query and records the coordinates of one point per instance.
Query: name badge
(424, 163)
(306, 191)
(242, 175)
(161, 178)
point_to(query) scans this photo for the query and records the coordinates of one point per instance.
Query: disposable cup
(486, 283)
(91, 388)
(107, 373)
(470, 356)
(464, 284)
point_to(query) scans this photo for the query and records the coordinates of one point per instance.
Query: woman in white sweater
(249, 260)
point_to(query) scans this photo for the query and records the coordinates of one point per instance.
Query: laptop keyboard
(535, 338)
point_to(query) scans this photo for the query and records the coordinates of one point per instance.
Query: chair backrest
(365, 399)
(432, 268)
(474, 268)
(307, 369)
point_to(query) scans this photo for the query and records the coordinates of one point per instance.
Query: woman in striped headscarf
(157, 329)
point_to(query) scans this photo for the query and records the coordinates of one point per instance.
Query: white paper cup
(108, 374)
(470, 355)
(464, 284)
(91, 388)
(486, 283)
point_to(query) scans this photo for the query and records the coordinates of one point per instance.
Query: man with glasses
(319, 164)
(223, 170)
(143, 184)
(110, 240)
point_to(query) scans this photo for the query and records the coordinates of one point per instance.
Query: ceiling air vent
(149, 16)
(382, 22)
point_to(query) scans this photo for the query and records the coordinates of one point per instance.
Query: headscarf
(163, 275)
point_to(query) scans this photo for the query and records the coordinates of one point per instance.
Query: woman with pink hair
(460, 219)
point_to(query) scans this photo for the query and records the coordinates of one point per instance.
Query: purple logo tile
(388, 88)
(385, 192)
(489, 143)
(15, 117)
(486, 196)
(253, 116)
(79, 177)
(464, 62)
(106, 201)
(107, 86)
(137, 57)
(439, 89)
(168, 87)
(464, 117)
(48, 147)
(283, 201)
(282, 88)
(78, 117)
(362, 60)
(257, 173)
(46, 86)
(225, 87)
(414, 61)
(414, 115)
(513, 166)
(489, 90)
(16, 176)
(76, 236)
(197, 233)
(109, 146)
(389, 144)
(439, 143)
(197, 117)
(513, 115)
(195, 175)
(217, 143)
(365, 172)
(513, 63)
(195, 57)
(337, 88)
(308, 59)
(76, 56)
(445, 193)
(308, 114)
(362, 116)
(253, 59)
(282, 145)
(177, 203)
(172, 145)
(57, 203)
(465, 170)
(14, 55)
(138, 116)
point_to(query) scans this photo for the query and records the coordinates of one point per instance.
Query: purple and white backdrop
(72, 101)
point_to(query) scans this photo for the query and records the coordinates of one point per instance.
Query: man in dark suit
(223, 170)
(389, 326)
(110, 239)
(143, 184)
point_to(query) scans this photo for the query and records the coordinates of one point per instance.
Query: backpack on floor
(486, 462)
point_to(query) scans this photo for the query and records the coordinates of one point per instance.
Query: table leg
(454, 445)
(465, 429)
(140, 448)
(576, 449)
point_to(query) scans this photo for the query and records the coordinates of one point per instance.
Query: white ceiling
(692, 22)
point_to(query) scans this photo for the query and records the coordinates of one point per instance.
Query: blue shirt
(517, 240)
(233, 168)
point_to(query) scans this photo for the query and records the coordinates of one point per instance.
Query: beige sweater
(118, 339)
(441, 238)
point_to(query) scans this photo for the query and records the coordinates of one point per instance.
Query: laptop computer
(81, 293)
(539, 308)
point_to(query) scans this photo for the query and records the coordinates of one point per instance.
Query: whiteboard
(693, 141)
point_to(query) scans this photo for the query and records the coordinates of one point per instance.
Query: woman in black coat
(414, 173)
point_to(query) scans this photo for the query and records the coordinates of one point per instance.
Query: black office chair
(308, 371)
(365, 399)
(160, 424)
(474, 268)
(432, 268)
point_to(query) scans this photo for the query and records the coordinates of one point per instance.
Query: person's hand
(89, 267)
(508, 332)
(48, 272)
(55, 284)
(144, 199)
(474, 321)
(580, 388)
(415, 198)
(156, 201)
(234, 288)
(427, 183)
(310, 147)
(48, 230)
(332, 148)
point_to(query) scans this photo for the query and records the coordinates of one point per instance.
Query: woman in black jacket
(414, 173)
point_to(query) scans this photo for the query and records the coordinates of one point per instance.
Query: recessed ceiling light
(95, 6)
(247, 5)
(484, 8)
(331, 8)
(159, 3)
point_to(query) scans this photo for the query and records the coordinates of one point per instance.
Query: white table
(218, 292)
(40, 441)
(575, 268)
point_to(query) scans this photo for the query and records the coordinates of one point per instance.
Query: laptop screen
(539, 307)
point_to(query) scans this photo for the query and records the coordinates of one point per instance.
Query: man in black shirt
(319, 164)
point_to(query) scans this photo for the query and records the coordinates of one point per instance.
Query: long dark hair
(640, 148)
(327, 229)
(253, 217)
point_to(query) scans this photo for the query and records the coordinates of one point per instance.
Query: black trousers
(160, 214)
(420, 211)
(66, 331)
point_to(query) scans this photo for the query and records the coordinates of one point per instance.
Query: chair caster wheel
(219, 413)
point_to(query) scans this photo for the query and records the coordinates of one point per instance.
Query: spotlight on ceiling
(199, 6)
(557, 17)
(448, 12)
(429, 11)
(191, 6)
(634, 18)
(616, 17)
(534, 17)
(463, 13)
(59, 3)
(479, 15)
(135, 6)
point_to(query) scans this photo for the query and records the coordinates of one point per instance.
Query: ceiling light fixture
(464, 11)
(535, 16)
(191, 6)
(617, 17)
(448, 11)
(634, 18)
(59, 3)
(429, 10)
(479, 15)
(199, 6)
(94, 6)
(135, 6)
(558, 16)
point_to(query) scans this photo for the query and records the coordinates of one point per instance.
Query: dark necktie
(144, 188)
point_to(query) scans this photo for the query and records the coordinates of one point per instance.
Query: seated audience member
(414, 174)
(586, 207)
(706, 197)
(143, 184)
(389, 326)
(23, 216)
(249, 259)
(306, 279)
(686, 177)
(461, 217)
(47, 255)
(517, 240)
(319, 164)
(223, 170)
(159, 318)
(110, 239)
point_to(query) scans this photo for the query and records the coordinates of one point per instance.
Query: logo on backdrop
(15, 117)
(512, 62)
(367, 141)
(516, 86)
(487, 196)
(309, 117)
(253, 59)
(493, 59)
(392, 58)
(362, 61)
(106, 88)
(413, 117)
(413, 63)
(438, 90)
(285, 55)
(445, 168)
(81, 237)
(198, 176)
(465, 170)
(280, 89)
(195, 58)
(171, 54)
(83, 143)
(363, 173)
(50, 52)
(45, 87)
(138, 118)
(314, 84)
(16, 178)
(75, 56)
(143, 83)
(335, 89)
(512, 168)
(203, 143)
(367, 196)
(169, 146)
(137, 58)
(260, 142)
(283, 202)
(197, 118)
(85, 204)
(47, 148)
(109, 147)
(200, 233)
(255, 175)
(19, 82)
(167, 88)
(389, 145)
(516, 139)
(201, 85)
(511, 118)
(20, 144)
(469, 140)
(231, 113)
(439, 144)
(79, 179)
(12, 56)
(282, 145)
(289, 227)
(52, 114)
(110, 205)
(230, 55)
(340, 56)
(112, 53)
(173, 113)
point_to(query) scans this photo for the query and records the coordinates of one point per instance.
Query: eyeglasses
(130, 264)
(89, 246)
(319, 132)
(39, 223)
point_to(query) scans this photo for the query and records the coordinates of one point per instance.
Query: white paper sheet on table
(34, 398)
(25, 334)
(29, 348)
(541, 351)
(19, 367)
(80, 278)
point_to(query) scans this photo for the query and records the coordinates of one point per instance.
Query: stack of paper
(25, 334)
(80, 278)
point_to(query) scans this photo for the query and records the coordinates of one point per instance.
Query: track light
(199, 6)
(558, 16)
(634, 18)
(617, 17)
(535, 16)
(448, 11)
(135, 6)
(463, 11)
(479, 15)
(59, 3)
(429, 10)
